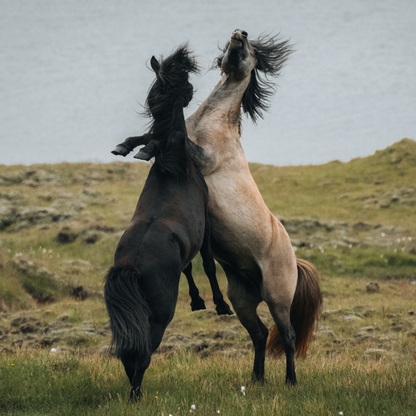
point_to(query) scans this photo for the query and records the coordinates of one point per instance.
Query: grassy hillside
(356, 221)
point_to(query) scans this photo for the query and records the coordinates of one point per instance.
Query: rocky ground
(72, 209)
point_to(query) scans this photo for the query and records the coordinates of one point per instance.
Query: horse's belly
(241, 227)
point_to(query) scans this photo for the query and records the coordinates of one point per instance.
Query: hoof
(198, 306)
(224, 309)
(143, 155)
(258, 378)
(120, 150)
(135, 396)
(290, 382)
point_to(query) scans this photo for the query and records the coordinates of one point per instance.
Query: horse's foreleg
(147, 152)
(124, 148)
(245, 297)
(208, 262)
(197, 303)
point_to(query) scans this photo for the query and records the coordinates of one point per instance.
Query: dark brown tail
(304, 312)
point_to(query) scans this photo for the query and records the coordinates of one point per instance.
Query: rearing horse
(168, 228)
(248, 241)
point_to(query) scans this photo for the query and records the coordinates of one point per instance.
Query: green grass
(40, 383)
(362, 361)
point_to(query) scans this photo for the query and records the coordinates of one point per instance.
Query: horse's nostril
(244, 33)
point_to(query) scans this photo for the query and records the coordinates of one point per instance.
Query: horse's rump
(304, 311)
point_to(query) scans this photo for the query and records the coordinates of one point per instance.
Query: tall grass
(39, 383)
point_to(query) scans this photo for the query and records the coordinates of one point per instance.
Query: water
(73, 74)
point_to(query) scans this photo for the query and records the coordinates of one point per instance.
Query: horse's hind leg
(135, 366)
(197, 303)
(208, 262)
(277, 291)
(245, 297)
(281, 316)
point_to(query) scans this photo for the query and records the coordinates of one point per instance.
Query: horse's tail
(304, 311)
(129, 312)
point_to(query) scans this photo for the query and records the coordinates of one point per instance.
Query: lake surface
(73, 74)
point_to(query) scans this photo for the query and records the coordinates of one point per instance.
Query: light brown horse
(248, 241)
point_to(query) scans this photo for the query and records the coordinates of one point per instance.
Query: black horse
(169, 227)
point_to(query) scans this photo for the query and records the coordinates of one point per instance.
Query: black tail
(129, 313)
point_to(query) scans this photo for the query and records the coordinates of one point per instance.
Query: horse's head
(241, 58)
(172, 81)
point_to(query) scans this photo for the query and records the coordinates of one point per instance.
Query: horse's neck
(215, 126)
(173, 154)
(173, 120)
(178, 123)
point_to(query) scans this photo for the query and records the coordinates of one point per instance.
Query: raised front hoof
(143, 155)
(120, 151)
(224, 309)
(198, 305)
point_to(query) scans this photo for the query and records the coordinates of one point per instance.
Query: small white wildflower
(243, 390)
(44, 250)
(383, 234)
(409, 238)
(53, 350)
(341, 413)
(193, 407)
(398, 240)
(311, 245)
(218, 411)
(349, 245)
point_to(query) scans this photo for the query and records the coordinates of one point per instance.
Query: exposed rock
(17, 322)
(66, 236)
(361, 226)
(8, 215)
(79, 293)
(28, 328)
(91, 236)
(373, 287)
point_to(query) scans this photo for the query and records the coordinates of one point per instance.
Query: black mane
(271, 56)
(164, 106)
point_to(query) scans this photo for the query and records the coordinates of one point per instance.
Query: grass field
(356, 221)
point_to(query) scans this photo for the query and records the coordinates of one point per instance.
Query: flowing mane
(271, 56)
(168, 95)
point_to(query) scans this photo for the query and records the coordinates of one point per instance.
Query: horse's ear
(154, 63)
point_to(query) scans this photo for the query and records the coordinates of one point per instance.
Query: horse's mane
(271, 56)
(164, 106)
